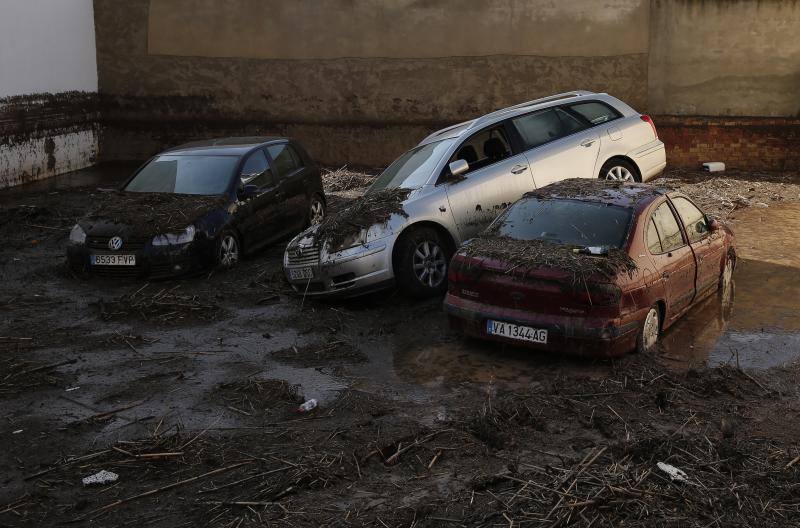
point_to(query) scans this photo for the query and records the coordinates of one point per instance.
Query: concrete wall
(48, 81)
(359, 81)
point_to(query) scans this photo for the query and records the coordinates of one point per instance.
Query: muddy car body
(197, 206)
(462, 177)
(651, 255)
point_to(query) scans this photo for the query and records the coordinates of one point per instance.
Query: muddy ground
(187, 389)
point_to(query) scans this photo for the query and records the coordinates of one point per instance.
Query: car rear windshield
(207, 175)
(567, 222)
(414, 168)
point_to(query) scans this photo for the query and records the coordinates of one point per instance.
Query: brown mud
(423, 428)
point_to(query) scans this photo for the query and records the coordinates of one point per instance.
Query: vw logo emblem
(114, 243)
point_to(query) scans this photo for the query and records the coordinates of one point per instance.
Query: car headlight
(184, 237)
(351, 241)
(77, 235)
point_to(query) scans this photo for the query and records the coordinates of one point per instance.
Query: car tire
(422, 258)
(619, 169)
(648, 333)
(316, 210)
(228, 250)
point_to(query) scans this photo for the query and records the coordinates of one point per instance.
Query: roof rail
(550, 98)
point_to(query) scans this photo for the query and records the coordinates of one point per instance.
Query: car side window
(570, 122)
(286, 160)
(539, 128)
(668, 229)
(256, 171)
(595, 112)
(653, 240)
(693, 219)
(483, 148)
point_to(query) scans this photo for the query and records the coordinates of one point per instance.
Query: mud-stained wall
(359, 81)
(48, 89)
(725, 58)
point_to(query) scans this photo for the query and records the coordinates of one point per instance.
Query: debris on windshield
(370, 209)
(530, 254)
(344, 179)
(587, 188)
(150, 214)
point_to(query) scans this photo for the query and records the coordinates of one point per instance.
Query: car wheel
(422, 262)
(228, 250)
(316, 211)
(619, 170)
(648, 333)
(726, 281)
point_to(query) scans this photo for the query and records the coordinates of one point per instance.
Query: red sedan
(591, 267)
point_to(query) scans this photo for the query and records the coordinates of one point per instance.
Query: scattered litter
(714, 166)
(675, 474)
(71, 389)
(760, 204)
(18, 431)
(307, 406)
(100, 479)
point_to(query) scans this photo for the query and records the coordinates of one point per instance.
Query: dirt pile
(527, 255)
(150, 214)
(374, 208)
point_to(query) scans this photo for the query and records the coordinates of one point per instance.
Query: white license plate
(301, 273)
(512, 331)
(113, 260)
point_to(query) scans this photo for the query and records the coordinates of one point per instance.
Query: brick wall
(750, 143)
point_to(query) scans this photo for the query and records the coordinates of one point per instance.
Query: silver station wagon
(461, 177)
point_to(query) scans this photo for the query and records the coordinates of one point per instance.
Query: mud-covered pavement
(186, 389)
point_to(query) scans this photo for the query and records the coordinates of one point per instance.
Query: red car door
(673, 259)
(708, 249)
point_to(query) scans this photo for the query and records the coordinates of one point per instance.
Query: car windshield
(207, 175)
(567, 222)
(414, 168)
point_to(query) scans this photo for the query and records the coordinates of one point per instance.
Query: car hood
(147, 214)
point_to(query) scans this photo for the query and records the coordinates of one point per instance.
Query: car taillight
(600, 294)
(647, 119)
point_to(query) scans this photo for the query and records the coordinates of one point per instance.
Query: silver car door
(497, 178)
(558, 145)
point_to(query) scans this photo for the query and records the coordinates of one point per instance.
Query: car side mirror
(458, 167)
(247, 191)
(714, 225)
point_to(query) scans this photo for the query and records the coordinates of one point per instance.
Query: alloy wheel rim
(317, 212)
(619, 173)
(228, 251)
(430, 265)
(651, 329)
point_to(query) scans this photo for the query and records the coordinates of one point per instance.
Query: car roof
(465, 127)
(623, 194)
(232, 146)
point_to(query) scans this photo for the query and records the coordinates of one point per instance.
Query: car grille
(308, 257)
(128, 244)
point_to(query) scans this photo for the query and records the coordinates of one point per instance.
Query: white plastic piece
(100, 479)
(714, 166)
(307, 406)
(675, 474)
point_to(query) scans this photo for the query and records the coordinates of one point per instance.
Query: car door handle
(518, 169)
(587, 143)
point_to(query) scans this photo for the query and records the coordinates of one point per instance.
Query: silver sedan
(461, 177)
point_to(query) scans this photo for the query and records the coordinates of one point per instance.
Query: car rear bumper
(651, 159)
(152, 262)
(365, 272)
(583, 336)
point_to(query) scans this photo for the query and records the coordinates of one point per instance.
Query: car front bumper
(153, 262)
(582, 336)
(365, 271)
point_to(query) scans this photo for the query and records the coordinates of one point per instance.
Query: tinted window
(185, 175)
(595, 112)
(255, 170)
(668, 230)
(653, 240)
(286, 160)
(571, 123)
(539, 128)
(693, 219)
(569, 222)
(483, 148)
(412, 169)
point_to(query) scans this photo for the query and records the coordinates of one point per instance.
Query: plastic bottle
(307, 406)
